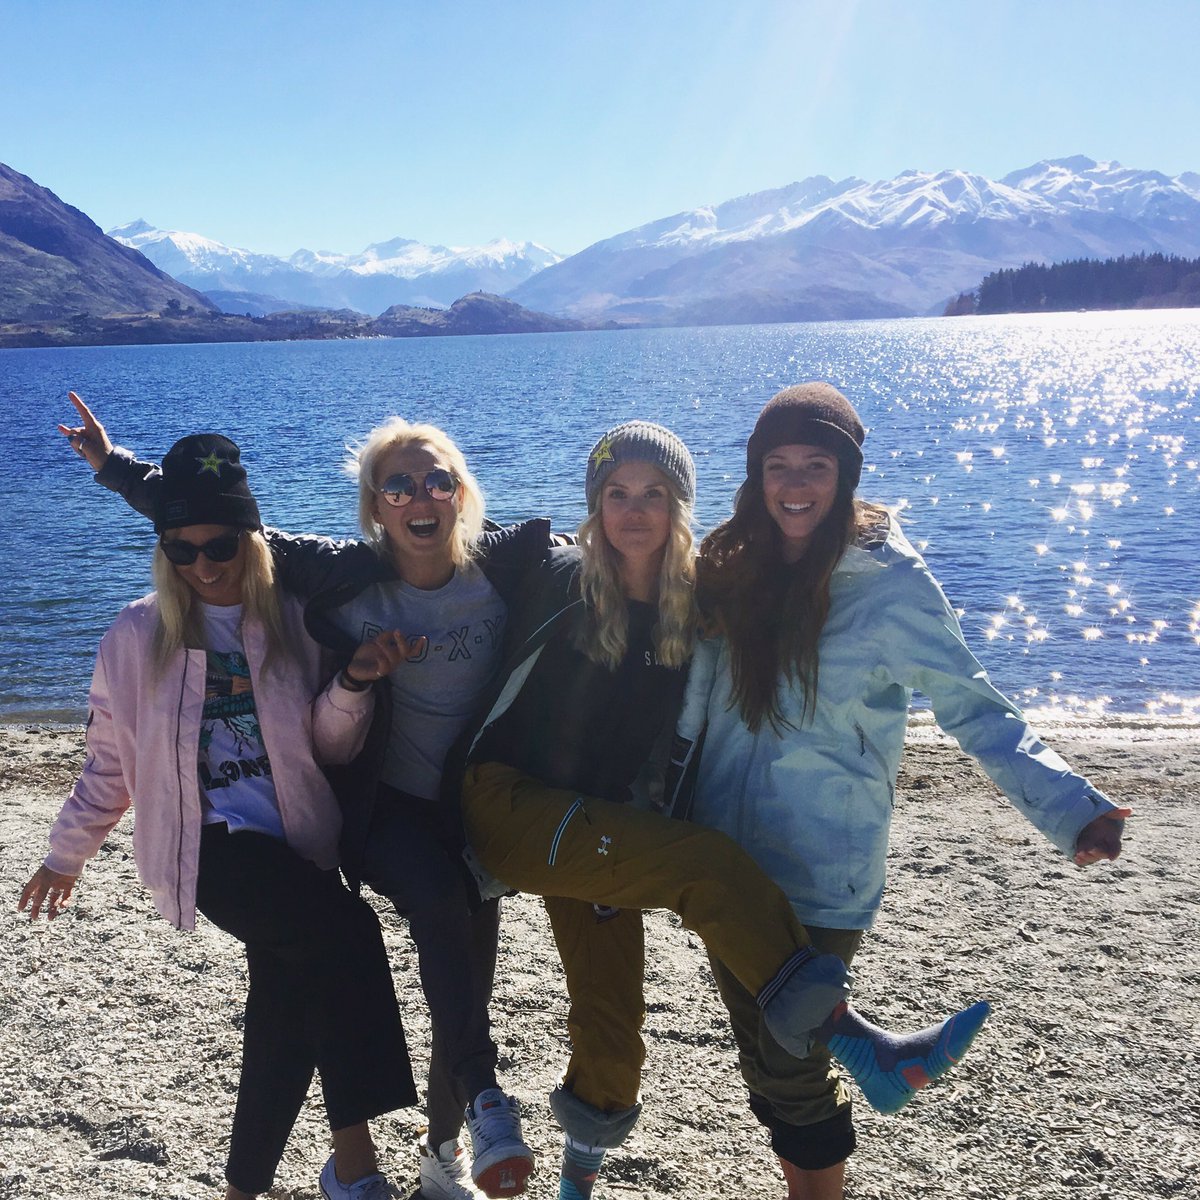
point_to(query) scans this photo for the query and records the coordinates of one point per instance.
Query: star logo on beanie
(211, 462)
(602, 454)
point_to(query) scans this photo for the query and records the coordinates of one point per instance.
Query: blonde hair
(604, 634)
(399, 434)
(179, 622)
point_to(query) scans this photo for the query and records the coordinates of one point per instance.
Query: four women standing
(572, 728)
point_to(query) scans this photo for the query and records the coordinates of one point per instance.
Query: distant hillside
(55, 263)
(398, 271)
(1131, 281)
(475, 314)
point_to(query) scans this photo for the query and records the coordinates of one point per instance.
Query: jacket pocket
(868, 749)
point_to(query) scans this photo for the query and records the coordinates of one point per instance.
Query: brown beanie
(809, 414)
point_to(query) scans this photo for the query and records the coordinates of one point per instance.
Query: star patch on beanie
(204, 483)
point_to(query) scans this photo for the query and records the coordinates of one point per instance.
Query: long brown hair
(773, 612)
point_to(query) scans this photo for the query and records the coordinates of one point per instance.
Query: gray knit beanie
(809, 414)
(640, 441)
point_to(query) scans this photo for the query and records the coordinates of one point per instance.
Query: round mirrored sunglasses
(399, 490)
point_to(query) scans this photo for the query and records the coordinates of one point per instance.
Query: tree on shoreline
(1131, 281)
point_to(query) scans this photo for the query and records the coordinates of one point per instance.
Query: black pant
(320, 997)
(411, 858)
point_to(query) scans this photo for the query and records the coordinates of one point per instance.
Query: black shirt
(578, 725)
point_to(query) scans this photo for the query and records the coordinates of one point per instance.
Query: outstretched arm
(926, 650)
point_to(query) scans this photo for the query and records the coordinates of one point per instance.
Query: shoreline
(922, 727)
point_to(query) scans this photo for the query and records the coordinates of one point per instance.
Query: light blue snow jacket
(814, 805)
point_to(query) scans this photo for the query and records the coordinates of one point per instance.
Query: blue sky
(331, 125)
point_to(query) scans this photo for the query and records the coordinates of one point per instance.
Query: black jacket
(327, 574)
(548, 606)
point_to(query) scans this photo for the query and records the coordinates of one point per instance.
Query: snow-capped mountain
(815, 249)
(1079, 183)
(400, 271)
(853, 248)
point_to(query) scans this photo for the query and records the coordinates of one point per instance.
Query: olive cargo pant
(555, 843)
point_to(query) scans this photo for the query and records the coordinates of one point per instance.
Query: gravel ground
(118, 1064)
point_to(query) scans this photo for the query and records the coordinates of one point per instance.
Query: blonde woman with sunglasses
(238, 821)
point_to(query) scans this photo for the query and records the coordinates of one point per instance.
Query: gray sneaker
(502, 1162)
(369, 1187)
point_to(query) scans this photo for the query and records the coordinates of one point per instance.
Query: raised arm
(89, 440)
(136, 482)
(305, 563)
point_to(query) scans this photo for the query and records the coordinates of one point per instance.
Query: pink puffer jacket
(143, 741)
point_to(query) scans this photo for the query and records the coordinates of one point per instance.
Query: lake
(1046, 466)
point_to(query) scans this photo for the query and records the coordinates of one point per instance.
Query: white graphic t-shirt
(434, 695)
(235, 774)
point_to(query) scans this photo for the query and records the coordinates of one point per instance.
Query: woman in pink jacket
(207, 713)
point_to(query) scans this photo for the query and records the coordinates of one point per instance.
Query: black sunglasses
(218, 549)
(398, 490)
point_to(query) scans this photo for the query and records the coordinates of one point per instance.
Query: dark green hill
(480, 312)
(56, 263)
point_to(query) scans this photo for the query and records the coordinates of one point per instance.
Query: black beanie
(204, 483)
(809, 414)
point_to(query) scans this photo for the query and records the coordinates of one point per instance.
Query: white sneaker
(445, 1172)
(502, 1162)
(369, 1187)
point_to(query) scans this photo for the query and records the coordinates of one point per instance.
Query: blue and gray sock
(580, 1166)
(891, 1068)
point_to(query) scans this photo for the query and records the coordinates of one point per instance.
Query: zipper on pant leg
(562, 828)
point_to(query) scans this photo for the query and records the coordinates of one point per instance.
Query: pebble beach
(120, 1047)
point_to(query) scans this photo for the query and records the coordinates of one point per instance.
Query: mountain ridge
(396, 271)
(909, 243)
(813, 249)
(57, 260)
